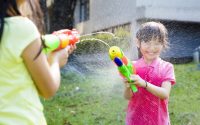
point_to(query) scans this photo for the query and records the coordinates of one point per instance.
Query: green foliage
(120, 38)
(120, 32)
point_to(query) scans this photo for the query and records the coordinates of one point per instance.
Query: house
(181, 17)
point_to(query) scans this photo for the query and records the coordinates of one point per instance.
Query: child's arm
(45, 76)
(162, 92)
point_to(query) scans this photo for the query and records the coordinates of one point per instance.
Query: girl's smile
(151, 50)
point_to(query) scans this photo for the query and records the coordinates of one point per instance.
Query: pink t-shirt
(144, 108)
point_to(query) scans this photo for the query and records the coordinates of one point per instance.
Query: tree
(62, 14)
(59, 14)
(45, 12)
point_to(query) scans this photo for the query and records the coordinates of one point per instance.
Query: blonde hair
(153, 30)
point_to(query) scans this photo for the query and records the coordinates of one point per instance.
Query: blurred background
(181, 17)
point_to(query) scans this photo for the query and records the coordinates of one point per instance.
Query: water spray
(107, 33)
(95, 39)
(62, 38)
(82, 39)
(124, 65)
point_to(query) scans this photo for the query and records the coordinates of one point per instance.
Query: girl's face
(151, 50)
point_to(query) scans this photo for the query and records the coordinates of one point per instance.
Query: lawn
(96, 98)
(184, 105)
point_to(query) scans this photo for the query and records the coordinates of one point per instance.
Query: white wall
(108, 13)
(105, 14)
(179, 10)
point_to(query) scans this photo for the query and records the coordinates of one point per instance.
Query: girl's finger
(72, 48)
(135, 82)
(134, 77)
(125, 81)
(67, 48)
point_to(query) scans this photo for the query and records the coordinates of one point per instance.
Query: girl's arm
(46, 75)
(162, 92)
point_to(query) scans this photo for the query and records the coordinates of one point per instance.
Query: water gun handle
(60, 39)
(134, 88)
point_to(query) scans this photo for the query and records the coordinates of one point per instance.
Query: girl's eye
(152, 44)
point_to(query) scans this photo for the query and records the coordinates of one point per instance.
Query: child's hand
(71, 49)
(126, 83)
(61, 56)
(138, 80)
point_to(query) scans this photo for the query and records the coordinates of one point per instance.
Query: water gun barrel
(60, 39)
(124, 65)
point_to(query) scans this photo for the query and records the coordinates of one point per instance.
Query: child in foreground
(25, 72)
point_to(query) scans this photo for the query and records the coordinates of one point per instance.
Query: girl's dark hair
(4, 6)
(37, 15)
(37, 18)
(153, 30)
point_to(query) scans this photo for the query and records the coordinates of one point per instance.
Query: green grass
(97, 99)
(185, 96)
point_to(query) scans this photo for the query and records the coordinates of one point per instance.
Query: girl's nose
(152, 47)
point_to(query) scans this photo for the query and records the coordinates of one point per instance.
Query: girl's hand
(72, 48)
(126, 83)
(138, 80)
(61, 56)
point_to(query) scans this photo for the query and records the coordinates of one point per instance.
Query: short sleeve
(19, 34)
(169, 74)
(28, 33)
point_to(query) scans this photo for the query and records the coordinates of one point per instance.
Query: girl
(154, 78)
(25, 74)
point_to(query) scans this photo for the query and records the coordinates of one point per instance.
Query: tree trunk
(45, 12)
(62, 14)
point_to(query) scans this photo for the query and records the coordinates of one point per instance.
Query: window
(84, 10)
